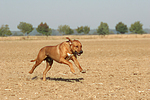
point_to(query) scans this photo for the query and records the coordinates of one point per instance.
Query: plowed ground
(116, 69)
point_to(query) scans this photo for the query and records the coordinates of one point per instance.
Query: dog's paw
(30, 72)
(83, 71)
(74, 73)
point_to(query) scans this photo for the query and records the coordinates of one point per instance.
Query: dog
(61, 53)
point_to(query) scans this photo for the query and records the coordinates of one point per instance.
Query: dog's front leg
(64, 61)
(74, 59)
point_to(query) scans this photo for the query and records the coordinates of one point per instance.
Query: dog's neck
(70, 47)
(69, 55)
(71, 51)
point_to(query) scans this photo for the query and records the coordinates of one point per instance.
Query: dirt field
(117, 69)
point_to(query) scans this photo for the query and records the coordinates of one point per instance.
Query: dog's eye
(76, 46)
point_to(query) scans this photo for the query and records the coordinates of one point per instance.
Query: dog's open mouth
(79, 54)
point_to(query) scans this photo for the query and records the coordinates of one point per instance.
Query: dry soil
(116, 69)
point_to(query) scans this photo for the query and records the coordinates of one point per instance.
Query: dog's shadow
(61, 79)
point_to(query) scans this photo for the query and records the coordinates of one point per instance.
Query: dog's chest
(69, 56)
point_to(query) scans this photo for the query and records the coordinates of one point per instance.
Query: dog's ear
(69, 40)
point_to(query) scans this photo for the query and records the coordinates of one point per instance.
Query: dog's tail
(33, 60)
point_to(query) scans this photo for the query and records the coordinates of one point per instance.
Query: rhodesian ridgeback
(61, 53)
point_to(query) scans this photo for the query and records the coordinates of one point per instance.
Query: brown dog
(61, 53)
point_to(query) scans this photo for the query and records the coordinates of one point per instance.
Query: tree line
(44, 29)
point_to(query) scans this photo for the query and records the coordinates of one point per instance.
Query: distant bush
(4, 30)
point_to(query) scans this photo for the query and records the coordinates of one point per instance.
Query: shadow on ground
(60, 79)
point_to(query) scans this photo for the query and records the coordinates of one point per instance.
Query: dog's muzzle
(79, 53)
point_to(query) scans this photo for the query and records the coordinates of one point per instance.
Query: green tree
(25, 27)
(103, 29)
(44, 29)
(65, 29)
(86, 29)
(49, 33)
(79, 29)
(136, 28)
(121, 28)
(4, 30)
(60, 29)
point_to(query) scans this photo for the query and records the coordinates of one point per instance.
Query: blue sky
(74, 12)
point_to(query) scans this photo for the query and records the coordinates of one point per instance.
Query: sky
(74, 13)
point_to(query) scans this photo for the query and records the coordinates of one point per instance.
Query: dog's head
(76, 46)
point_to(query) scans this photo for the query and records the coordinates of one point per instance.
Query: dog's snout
(81, 52)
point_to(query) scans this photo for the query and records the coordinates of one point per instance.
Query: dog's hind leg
(48, 67)
(34, 66)
(41, 56)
